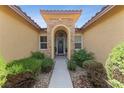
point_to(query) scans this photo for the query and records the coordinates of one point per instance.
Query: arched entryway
(60, 43)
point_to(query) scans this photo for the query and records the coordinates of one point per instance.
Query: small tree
(3, 72)
(115, 66)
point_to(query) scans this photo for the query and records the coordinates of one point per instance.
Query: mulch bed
(80, 79)
(28, 80)
(43, 80)
(22, 80)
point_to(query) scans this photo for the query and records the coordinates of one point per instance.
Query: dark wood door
(60, 47)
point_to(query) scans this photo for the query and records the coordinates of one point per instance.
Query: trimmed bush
(71, 66)
(38, 55)
(82, 55)
(47, 65)
(96, 74)
(3, 72)
(24, 65)
(115, 66)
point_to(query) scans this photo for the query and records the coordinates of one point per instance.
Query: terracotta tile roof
(44, 29)
(103, 11)
(77, 29)
(18, 10)
(61, 11)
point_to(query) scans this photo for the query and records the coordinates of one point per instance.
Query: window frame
(80, 42)
(43, 42)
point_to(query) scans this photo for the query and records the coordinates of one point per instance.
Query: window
(43, 42)
(78, 42)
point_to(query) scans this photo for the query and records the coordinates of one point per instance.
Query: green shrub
(38, 55)
(15, 69)
(3, 72)
(24, 65)
(81, 55)
(47, 65)
(86, 63)
(71, 66)
(115, 62)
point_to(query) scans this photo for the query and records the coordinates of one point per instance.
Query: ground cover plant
(24, 65)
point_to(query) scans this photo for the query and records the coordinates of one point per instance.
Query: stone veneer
(47, 32)
(53, 23)
(60, 20)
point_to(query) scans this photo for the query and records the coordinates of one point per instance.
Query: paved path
(60, 76)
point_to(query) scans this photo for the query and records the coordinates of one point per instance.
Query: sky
(88, 11)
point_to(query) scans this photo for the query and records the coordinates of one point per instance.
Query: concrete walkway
(60, 76)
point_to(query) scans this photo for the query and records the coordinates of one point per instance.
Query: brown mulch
(79, 78)
(22, 80)
(42, 80)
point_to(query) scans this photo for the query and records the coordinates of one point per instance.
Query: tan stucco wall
(17, 37)
(101, 36)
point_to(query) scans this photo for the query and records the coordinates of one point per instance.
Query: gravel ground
(79, 78)
(43, 80)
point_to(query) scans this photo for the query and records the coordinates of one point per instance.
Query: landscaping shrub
(21, 72)
(86, 63)
(81, 55)
(3, 72)
(96, 74)
(115, 84)
(24, 65)
(38, 55)
(47, 65)
(115, 66)
(71, 66)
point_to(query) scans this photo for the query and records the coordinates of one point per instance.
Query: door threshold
(60, 54)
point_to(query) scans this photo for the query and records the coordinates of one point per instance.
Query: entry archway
(60, 43)
(66, 31)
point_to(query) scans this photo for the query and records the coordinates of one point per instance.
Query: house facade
(19, 34)
(60, 36)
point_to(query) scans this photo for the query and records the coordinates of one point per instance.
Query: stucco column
(52, 44)
(69, 45)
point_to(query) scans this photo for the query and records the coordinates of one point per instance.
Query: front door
(60, 46)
